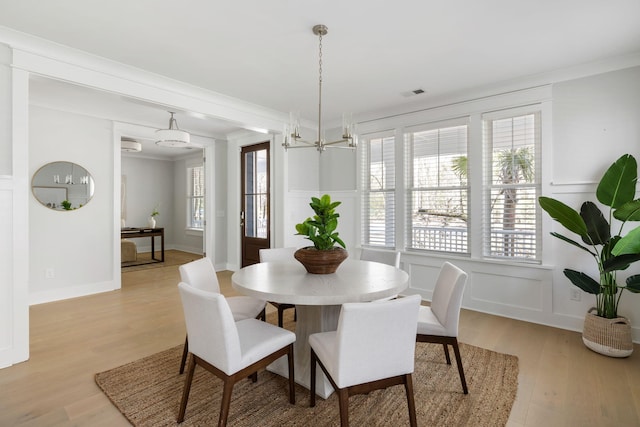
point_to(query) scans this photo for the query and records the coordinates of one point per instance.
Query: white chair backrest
(376, 341)
(277, 254)
(213, 335)
(200, 274)
(447, 297)
(390, 258)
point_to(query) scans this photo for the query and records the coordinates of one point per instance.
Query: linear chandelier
(292, 133)
(172, 137)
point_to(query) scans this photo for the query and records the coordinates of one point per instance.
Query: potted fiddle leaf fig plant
(605, 331)
(324, 257)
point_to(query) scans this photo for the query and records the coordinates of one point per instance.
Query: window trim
(487, 186)
(537, 98)
(408, 169)
(189, 166)
(363, 165)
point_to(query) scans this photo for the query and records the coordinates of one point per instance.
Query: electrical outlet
(574, 294)
(49, 273)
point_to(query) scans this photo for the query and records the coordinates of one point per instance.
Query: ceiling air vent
(413, 93)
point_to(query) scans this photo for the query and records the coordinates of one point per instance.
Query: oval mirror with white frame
(62, 186)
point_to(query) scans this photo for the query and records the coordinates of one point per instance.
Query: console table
(133, 232)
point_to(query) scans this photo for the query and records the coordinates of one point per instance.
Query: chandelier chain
(320, 56)
(320, 89)
(293, 135)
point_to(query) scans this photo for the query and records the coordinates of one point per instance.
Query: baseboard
(70, 292)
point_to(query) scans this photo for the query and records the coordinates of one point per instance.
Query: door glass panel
(256, 217)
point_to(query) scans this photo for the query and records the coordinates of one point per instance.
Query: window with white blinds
(512, 185)
(378, 191)
(436, 170)
(195, 197)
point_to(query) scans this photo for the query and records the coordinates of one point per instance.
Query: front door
(254, 212)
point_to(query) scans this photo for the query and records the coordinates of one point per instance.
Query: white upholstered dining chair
(275, 255)
(201, 274)
(384, 257)
(231, 350)
(439, 323)
(373, 348)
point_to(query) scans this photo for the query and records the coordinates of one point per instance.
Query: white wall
(75, 245)
(531, 293)
(190, 241)
(30, 55)
(149, 184)
(589, 123)
(217, 199)
(5, 110)
(6, 208)
(595, 120)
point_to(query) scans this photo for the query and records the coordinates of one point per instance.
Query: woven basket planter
(320, 262)
(611, 337)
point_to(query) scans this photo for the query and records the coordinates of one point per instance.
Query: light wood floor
(561, 383)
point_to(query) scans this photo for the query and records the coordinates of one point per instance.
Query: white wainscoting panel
(505, 290)
(516, 291)
(6, 276)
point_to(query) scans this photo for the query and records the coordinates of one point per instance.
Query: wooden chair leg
(226, 402)
(292, 380)
(456, 351)
(446, 353)
(186, 389)
(408, 386)
(185, 351)
(280, 315)
(262, 315)
(312, 386)
(343, 399)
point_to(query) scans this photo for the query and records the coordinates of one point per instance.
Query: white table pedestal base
(311, 319)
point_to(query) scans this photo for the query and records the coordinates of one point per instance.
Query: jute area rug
(148, 392)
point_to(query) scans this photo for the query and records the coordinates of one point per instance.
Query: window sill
(194, 232)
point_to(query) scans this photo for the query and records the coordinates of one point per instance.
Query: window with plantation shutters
(378, 191)
(437, 200)
(195, 197)
(466, 186)
(512, 185)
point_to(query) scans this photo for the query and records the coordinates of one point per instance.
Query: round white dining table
(318, 298)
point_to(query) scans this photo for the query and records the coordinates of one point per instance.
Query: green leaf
(633, 283)
(597, 226)
(629, 244)
(303, 228)
(339, 240)
(331, 226)
(572, 242)
(619, 262)
(565, 215)
(582, 281)
(618, 184)
(630, 211)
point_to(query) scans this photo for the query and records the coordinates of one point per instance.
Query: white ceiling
(375, 52)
